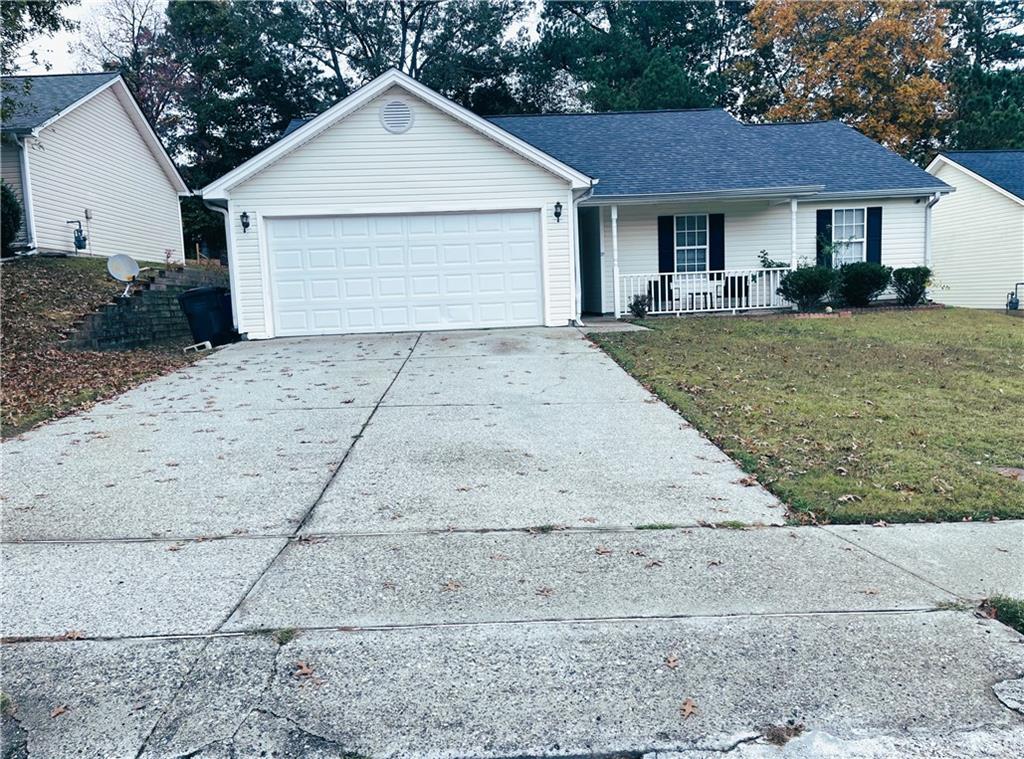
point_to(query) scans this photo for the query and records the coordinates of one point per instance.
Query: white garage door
(395, 273)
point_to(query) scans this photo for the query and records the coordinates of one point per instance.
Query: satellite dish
(124, 269)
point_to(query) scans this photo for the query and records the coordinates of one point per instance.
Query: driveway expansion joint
(309, 512)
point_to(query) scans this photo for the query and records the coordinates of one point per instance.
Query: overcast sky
(55, 50)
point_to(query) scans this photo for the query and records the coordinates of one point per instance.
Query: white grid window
(692, 243)
(848, 235)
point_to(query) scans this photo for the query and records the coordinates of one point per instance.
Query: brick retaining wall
(151, 315)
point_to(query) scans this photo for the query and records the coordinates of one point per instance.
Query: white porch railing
(704, 291)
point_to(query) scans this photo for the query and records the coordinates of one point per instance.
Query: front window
(692, 243)
(848, 235)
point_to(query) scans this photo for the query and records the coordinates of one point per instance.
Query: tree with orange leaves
(870, 64)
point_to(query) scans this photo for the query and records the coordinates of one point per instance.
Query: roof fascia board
(360, 97)
(940, 159)
(764, 193)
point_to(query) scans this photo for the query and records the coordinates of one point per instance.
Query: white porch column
(792, 233)
(616, 286)
(928, 230)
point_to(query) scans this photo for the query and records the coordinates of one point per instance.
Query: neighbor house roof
(37, 99)
(41, 99)
(1003, 168)
(707, 151)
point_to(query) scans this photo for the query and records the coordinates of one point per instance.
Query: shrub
(860, 283)
(10, 218)
(640, 305)
(807, 286)
(911, 283)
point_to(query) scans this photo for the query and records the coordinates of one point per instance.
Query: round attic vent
(396, 116)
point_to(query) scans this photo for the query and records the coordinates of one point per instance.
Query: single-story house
(80, 154)
(978, 254)
(397, 209)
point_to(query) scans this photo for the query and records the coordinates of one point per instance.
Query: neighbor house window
(848, 235)
(692, 243)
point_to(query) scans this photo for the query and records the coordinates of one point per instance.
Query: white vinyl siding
(10, 171)
(94, 158)
(978, 243)
(753, 226)
(357, 168)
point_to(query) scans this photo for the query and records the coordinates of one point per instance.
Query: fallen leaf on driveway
(749, 481)
(71, 635)
(603, 551)
(302, 669)
(452, 585)
(671, 661)
(654, 563)
(714, 563)
(58, 711)
(636, 552)
(688, 708)
(545, 592)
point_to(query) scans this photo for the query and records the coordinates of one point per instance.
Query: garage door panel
(288, 260)
(320, 229)
(324, 289)
(356, 258)
(490, 253)
(416, 272)
(423, 255)
(323, 258)
(390, 256)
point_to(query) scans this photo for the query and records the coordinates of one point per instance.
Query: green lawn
(896, 416)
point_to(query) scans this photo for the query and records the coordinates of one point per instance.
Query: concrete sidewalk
(485, 544)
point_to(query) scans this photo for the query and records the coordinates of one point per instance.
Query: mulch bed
(41, 299)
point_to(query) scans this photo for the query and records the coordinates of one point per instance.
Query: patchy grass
(41, 298)
(1009, 611)
(656, 526)
(899, 416)
(285, 635)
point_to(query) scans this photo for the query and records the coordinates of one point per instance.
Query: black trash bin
(208, 310)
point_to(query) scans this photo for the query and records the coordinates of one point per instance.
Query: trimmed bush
(639, 306)
(860, 283)
(807, 286)
(10, 218)
(911, 284)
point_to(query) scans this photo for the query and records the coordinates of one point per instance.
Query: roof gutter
(744, 193)
(221, 207)
(899, 192)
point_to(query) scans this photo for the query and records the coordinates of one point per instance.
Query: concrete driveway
(490, 543)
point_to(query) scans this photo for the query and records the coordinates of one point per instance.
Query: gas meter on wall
(80, 238)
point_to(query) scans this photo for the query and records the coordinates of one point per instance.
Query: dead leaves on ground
(688, 708)
(59, 710)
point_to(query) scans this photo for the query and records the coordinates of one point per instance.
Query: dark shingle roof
(1000, 167)
(664, 152)
(38, 98)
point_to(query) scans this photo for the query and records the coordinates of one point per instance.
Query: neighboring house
(397, 209)
(978, 254)
(75, 148)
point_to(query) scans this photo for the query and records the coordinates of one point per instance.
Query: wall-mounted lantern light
(244, 218)
(558, 211)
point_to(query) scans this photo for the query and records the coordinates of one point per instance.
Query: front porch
(690, 257)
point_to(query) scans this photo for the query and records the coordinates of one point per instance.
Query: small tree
(911, 284)
(807, 286)
(10, 218)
